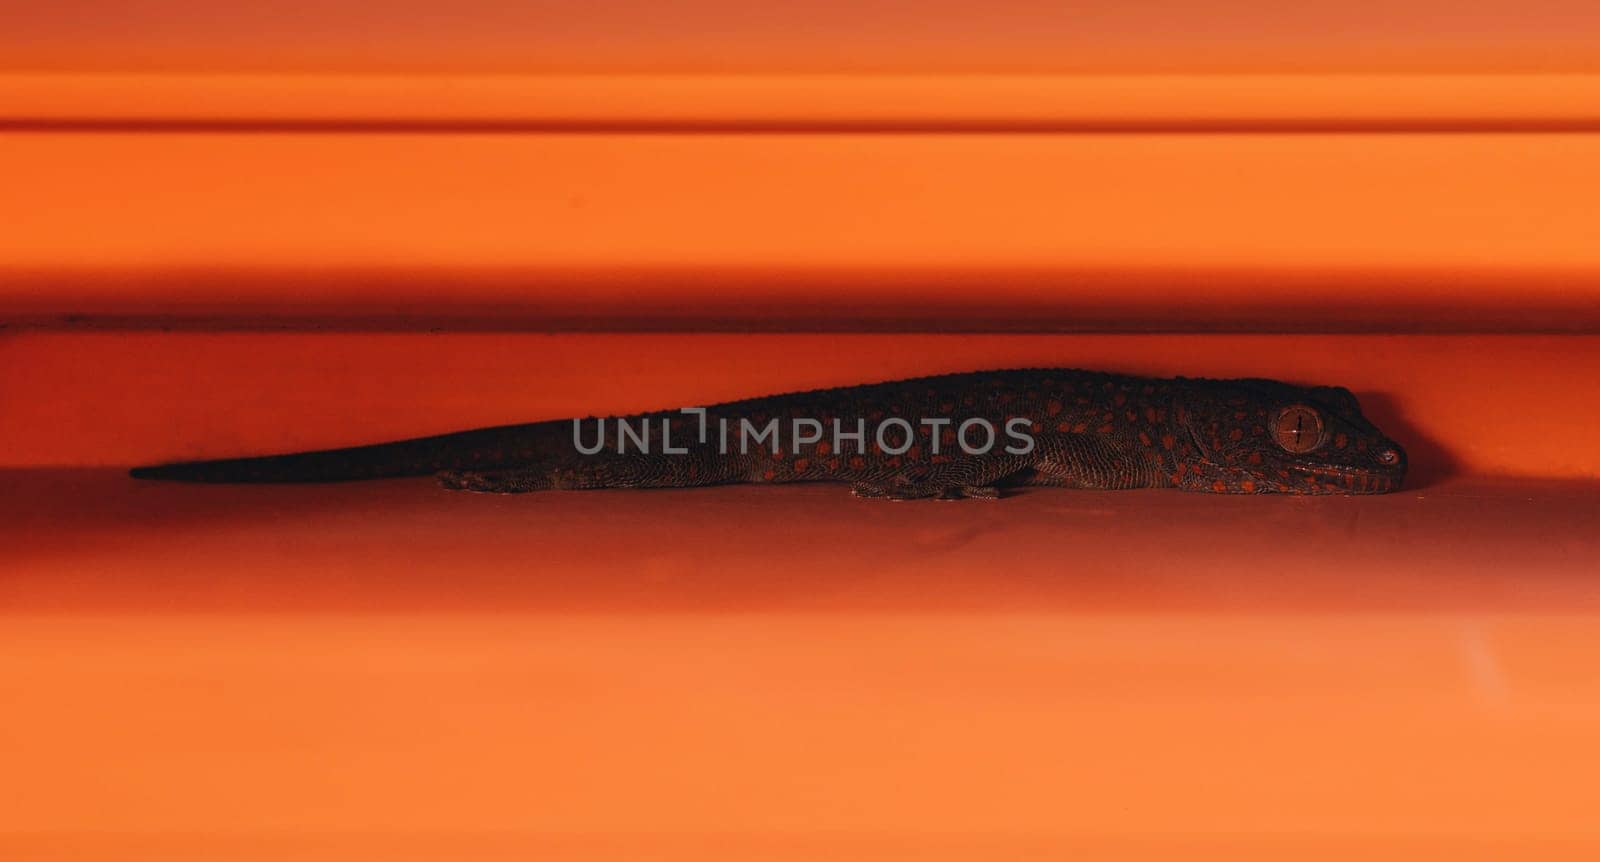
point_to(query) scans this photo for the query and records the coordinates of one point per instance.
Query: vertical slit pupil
(1298, 429)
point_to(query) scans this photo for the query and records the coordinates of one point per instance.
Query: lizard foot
(493, 481)
(971, 478)
(869, 491)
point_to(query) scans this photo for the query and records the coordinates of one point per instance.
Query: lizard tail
(485, 448)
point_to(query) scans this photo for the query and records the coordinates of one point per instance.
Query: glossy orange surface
(732, 37)
(799, 737)
(1052, 231)
(388, 670)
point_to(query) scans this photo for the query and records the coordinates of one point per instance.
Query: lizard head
(1261, 436)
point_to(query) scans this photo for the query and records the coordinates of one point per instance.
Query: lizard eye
(1389, 456)
(1297, 428)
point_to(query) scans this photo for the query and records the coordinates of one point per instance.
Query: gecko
(953, 436)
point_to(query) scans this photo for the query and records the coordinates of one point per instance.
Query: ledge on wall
(1038, 203)
(1457, 545)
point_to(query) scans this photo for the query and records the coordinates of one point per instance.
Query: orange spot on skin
(1104, 429)
(823, 448)
(914, 453)
(1064, 427)
(769, 475)
(1144, 438)
(800, 464)
(1052, 408)
(1218, 486)
(1182, 469)
(857, 462)
(1150, 415)
(1247, 486)
(1120, 399)
(1255, 457)
(1167, 441)
(1236, 434)
(1080, 427)
(833, 464)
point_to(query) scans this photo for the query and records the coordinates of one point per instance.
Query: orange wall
(1519, 405)
(832, 35)
(1110, 231)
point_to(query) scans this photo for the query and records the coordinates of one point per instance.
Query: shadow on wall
(809, 297)
(1430, 461)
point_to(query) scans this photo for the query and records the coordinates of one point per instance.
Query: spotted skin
(1088, 430)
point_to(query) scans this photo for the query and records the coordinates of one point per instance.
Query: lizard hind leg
(624, 472)
(615, 471)
(515, 481)
(974, 478)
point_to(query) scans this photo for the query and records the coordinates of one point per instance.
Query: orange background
(729, 36)
(1286, 232)
(249, 227)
